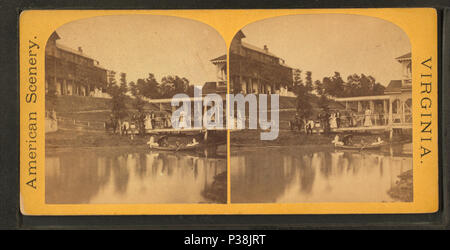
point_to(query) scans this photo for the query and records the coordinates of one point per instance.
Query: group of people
(366, 119)
(138, 123)
(334, 119)
(328, 120)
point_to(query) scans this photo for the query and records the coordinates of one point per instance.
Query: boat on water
(359, 147)
(176, 148)
(162, 143)
(348, 144)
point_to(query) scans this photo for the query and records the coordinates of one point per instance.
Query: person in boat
(151, 142)
(347, 140)
(179, 145)
(378, 142)
(193, 143)
(336, 141)
(163, 142)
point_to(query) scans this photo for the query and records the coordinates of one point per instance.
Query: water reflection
(292, 175)
(99, 176)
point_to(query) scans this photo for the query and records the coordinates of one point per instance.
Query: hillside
(90, 108)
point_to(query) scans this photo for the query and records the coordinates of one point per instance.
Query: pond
(315, 174)
(112, 176)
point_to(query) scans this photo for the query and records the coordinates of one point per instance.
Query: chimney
(266, 49)
(80, 50)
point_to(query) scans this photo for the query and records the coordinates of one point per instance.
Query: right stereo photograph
(321, 106)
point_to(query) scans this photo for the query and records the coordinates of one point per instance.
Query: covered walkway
(382, 112)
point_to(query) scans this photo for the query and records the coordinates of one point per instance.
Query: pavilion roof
(394, 86)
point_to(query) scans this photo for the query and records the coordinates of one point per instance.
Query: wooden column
(390, 111)
(391, 130)
(403, 111)
(244, 88)
(64, 87)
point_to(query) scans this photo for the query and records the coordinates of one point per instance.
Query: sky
(325, 43)
(143, 44)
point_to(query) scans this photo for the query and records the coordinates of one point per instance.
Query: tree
(362, 85)
(318, 87)
(303, 93)
(148, 87)
(308, 81)
(333, 86)
(190, 90)
(138, 103)
(139, 117)
(118, 99)
(323, 102)
(303, 102)
(172, 85)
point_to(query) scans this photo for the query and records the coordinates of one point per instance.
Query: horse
(111, 124)
(296, 123)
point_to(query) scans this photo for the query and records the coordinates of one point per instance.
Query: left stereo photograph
(109, 88)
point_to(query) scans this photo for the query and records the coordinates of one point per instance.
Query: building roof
(220, 58)
(239, 35)
(54, 36)
(361, 98)
(77, 52)
(255, 48)
(405, 56)
(73, 51)
(285, 65)
(394, 86)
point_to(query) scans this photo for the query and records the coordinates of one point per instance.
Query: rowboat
(359, 147)
(175, 148)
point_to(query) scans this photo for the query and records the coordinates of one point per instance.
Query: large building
(256, 70)
(72, 72)
(401, 92)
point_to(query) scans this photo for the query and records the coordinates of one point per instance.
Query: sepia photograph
(341, 93)
(110, 83)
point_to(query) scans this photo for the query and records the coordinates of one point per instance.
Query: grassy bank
(91, 109)
(251, 138)
(72, 138)
(245, 138)
(86, 139)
